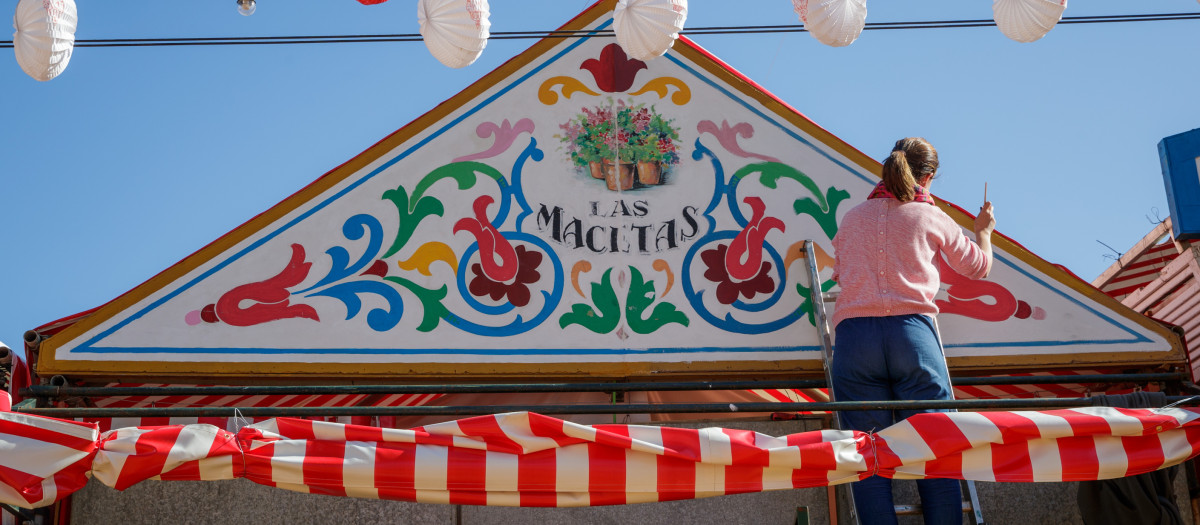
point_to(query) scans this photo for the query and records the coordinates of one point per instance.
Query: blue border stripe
(1137, 338)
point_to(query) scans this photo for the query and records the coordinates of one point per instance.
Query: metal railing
(47, 393)
(616, 408)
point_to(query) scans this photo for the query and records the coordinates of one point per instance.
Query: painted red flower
(641, 119)
(517, 290)
(597, 117)
(729, 290)
(614, 71)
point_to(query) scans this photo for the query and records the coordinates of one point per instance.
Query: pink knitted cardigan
(884, 258)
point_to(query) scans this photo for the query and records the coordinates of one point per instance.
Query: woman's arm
(985, 223)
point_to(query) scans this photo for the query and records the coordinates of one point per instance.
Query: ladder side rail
(821, 320)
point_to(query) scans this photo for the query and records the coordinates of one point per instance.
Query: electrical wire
(514, 35)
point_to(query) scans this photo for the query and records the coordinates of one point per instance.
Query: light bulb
(246, 7)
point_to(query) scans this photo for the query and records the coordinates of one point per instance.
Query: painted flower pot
(619, 176)
(596, 169)
(649, 173)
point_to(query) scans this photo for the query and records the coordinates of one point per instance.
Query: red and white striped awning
(1141, 264)
(1039, 390)
(1141, 270)
(1059, 388)
(342, 400)
(244, 401)
(526, 459)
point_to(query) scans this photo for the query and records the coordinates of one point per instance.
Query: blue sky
(135, 158)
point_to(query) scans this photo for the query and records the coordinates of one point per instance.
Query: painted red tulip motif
(744, 257)
(614, 71)
(262, 301)
(496, 254)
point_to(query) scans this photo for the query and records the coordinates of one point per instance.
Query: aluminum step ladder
(819, 298)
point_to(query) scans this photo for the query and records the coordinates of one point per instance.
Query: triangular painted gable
(573, 213)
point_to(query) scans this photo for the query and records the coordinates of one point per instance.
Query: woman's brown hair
(912, 159)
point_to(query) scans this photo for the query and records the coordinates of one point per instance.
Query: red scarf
(920, 194)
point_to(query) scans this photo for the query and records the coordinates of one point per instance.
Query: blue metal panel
(1180, 156)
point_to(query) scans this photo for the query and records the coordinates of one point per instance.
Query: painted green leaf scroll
(411, 215)
(641, 295)
(414, 209)
(608, 315)
(431, 302)
(823, 209)
(806, 305)
(464, 173)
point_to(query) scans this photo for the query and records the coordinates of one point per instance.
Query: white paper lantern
(1027, 20)
(44, 37)
(648, 28)
(455, 31)
(834, 23)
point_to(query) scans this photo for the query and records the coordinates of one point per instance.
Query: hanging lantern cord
(512, 35)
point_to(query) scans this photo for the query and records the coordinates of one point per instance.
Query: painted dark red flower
(614, 71)
(517, 290)
(728, 290)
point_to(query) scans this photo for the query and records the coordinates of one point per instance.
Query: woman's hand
(985, 222)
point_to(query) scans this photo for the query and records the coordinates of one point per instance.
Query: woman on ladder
(887, 345)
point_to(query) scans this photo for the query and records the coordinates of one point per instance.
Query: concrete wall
(242, 501)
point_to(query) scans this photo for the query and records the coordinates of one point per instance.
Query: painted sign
(1180, 156)
(574, 213)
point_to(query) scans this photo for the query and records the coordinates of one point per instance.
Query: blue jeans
(893, 358)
